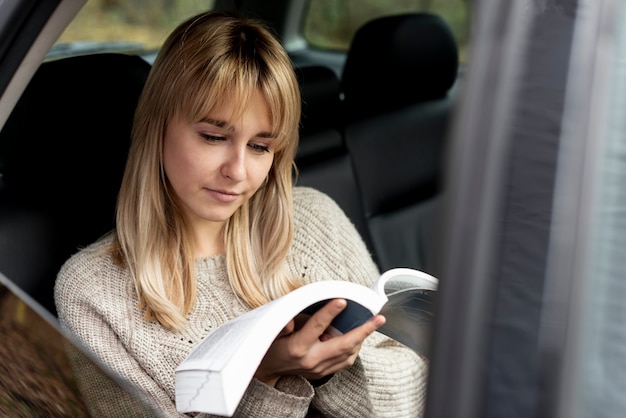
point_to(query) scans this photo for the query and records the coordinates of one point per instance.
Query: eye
(259, 148)
(211, 138)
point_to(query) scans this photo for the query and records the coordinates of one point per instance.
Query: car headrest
(69, 134)
(397, 60)
(320, 124)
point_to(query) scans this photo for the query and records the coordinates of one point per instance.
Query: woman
(210, 226)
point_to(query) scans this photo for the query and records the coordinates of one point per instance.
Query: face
(216, 165)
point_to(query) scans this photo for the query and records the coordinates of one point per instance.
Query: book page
(409, 309)
(402, 278)
(212, 355)
(216, 349)
(409, 315)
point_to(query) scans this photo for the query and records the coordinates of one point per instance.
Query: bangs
(240, 62)
(207, 91)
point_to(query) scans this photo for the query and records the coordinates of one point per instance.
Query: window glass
(330, 24)
(124, 25)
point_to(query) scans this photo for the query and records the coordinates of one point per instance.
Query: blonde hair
(206, 60)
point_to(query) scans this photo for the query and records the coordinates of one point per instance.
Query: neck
(209, 240)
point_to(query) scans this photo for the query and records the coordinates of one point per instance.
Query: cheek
(260, 172)
(171, 163)
(178, 162)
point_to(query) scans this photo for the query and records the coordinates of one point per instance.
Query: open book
(216, 373)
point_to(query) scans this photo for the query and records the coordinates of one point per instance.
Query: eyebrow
(224, 125)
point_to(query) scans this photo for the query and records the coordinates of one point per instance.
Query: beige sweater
(96, 301)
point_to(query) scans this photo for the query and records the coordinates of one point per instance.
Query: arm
(397, 377)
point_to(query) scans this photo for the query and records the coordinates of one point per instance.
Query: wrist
(268, 380)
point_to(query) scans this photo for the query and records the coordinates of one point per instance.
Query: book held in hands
(214, 376)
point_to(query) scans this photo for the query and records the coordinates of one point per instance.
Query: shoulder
(319, 219)
(326, 244)
(309, 202)
(84, 271)
(87, 258)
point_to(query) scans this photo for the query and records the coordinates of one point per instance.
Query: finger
(288, 329)
(359, 334)
(317, 325)
(336, 360)
(325, 336)
(342, 350)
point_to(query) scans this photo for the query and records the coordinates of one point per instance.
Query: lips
(223, 195)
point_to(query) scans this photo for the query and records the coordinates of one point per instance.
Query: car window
(331, 24)
(141, 26)
(138, 26)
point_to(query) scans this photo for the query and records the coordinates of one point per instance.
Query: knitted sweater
(96, 301)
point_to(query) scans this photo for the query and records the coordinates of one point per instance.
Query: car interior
(373, 138)
(495, 164)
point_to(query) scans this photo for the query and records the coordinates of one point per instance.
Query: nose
(234, 165)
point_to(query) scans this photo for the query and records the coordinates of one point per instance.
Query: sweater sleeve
(388, 375)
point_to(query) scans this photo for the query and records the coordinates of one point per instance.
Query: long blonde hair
(207, 59)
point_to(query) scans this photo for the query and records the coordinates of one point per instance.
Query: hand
(310, 351)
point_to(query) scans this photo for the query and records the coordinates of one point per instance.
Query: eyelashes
(212, 138)
(260, 148)
(216, 138)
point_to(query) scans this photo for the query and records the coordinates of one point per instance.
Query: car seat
(322, 159)
(66, 143)
(399, 90)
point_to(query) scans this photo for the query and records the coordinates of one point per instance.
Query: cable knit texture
(96, 300)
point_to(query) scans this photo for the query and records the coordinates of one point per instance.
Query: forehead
(232, 114)
(231, 106)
